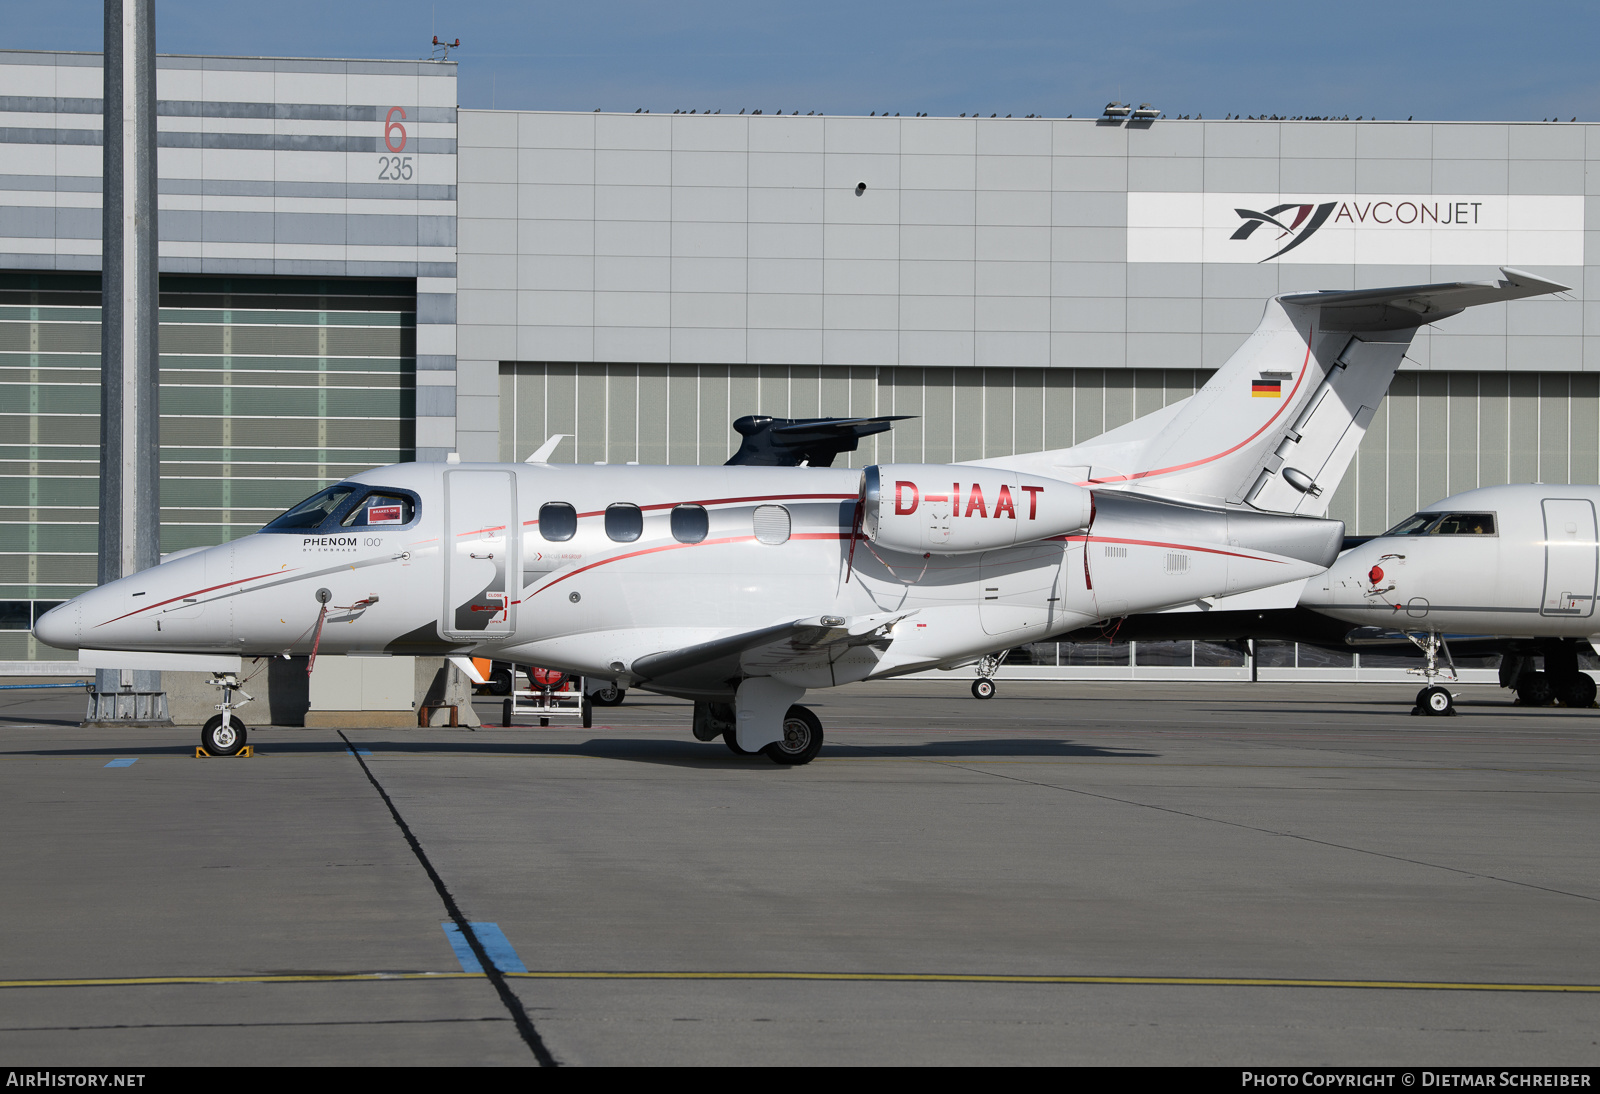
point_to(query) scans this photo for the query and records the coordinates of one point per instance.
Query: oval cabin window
(624, 522)
(772, 524)
(690, 523)
(558, 521)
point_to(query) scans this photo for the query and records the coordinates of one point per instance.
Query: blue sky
(1455, 61)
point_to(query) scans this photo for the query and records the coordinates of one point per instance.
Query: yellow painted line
(844, 977)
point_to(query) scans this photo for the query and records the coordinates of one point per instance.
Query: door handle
(490, 555)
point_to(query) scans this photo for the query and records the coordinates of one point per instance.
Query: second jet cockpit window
(1445, 524)
(558, 521)
(624, 522)
(690, 523)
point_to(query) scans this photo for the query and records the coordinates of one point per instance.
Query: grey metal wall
(1436, 434)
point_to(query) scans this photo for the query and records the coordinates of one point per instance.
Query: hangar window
(690, 523)
(624, 522)
(310, 514)
(558, 521)
(378, 510)
(772, 524)
(16, 615)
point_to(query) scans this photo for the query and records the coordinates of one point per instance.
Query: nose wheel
(223, 735)
(983, 688)
(1436, 701)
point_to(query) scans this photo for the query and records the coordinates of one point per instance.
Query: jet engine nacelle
(951, 509)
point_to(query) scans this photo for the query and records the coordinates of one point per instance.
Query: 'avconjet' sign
(1376, 229)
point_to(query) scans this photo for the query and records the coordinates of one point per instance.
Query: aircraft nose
(60, 626)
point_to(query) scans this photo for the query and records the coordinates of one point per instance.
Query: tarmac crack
(1267, 831)
(519, 1015)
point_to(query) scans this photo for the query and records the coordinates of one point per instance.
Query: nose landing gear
(984, 686)
(1433, 699)
(224, 734)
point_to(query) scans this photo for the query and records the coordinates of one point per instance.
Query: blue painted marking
(362, 751)
(123, 762)
(494, 943)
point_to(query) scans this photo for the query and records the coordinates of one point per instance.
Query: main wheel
(609, 696)
(223, 738)
(1576, 691)
(1535, 690)
(802, 738)
(731, 739)
(1436, 701)
(983, 688)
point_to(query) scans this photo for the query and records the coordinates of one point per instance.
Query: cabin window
(772, 524)
(310, 514)
(558, 521)
(624, 522)
(378, 510)
(690, 523)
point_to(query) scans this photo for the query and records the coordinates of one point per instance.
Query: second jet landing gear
(1434, 699)
(984, 686)
(801, 741)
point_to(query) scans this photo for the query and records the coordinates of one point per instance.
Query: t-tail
(1277, 426)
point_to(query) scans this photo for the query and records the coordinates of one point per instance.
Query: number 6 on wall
(390, 127)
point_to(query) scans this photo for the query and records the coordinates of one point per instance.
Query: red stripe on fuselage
(197, 592)
(676, 547)
(724, 501)
(1172, 546)
(1210, 459)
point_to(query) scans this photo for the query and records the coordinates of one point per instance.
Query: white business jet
(1516, 562)
(742, 587)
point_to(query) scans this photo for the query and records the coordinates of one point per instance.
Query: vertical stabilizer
(1278, 424)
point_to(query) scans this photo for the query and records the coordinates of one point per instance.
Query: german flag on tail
(1266, 389)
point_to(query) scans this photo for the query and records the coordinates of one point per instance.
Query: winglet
(543, 453)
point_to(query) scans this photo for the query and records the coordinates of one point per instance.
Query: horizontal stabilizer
(1412, 305)
(789, 442)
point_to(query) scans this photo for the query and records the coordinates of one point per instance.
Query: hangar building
(356, 272)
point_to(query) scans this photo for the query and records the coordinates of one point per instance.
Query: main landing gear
(984, 687)
(800, 743)
(1560, 681)
(1433, 699)
(224, 734)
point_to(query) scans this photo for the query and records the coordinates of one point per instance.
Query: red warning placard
(384, 514)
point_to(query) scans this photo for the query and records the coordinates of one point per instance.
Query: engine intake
(952, 509)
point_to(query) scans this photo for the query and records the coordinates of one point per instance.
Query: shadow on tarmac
(672, 752)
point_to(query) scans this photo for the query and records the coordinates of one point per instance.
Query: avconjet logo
(1254, 220)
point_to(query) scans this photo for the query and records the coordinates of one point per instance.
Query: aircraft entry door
(480, 554)
(1569, 557)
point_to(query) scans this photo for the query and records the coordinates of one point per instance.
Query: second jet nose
(60, 626)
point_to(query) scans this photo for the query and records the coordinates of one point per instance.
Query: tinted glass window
(377, 510)
(1464, 524)
(1414, 525)
(16, 615)
(624, 522)
(310, 513)
(690, 523)
(772, 524)
(558, 521)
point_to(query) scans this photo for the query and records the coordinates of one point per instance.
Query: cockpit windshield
(1445, 524)
(310, 514)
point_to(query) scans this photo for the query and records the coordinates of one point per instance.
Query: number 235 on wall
(395, 168)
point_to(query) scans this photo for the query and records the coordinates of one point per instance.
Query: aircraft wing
(1411, 305)
(800, 647)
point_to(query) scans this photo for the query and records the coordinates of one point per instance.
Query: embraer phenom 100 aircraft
(742, 587)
